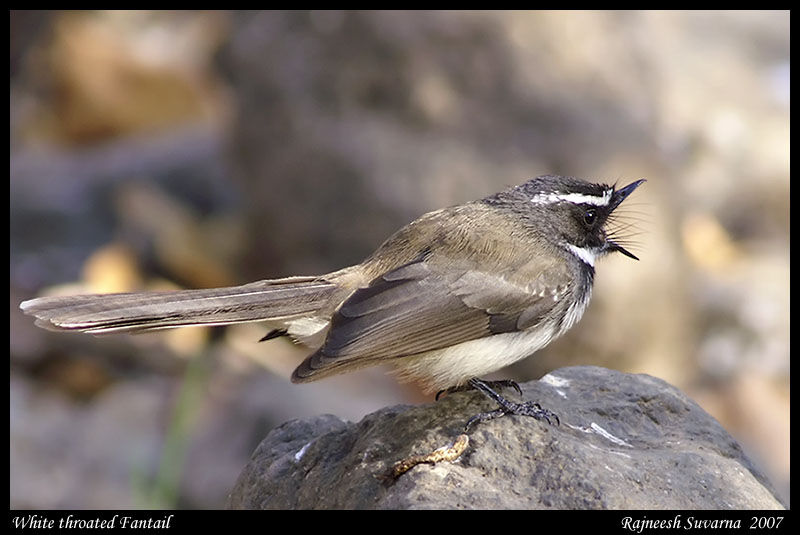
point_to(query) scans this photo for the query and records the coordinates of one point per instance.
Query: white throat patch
(587, 254)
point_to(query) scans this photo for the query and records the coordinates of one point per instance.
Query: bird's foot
(528, 408)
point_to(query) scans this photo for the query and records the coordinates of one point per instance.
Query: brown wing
(421, 307)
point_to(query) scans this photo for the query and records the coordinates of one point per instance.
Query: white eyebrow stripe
(576, 198)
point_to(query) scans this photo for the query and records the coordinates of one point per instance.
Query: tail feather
(138, 312)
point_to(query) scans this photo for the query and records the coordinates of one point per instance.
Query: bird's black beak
(616, 199)
(611, 246)
(621, 194)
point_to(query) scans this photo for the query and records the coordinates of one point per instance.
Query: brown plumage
(457, 293)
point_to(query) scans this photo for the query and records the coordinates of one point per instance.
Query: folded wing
(420, 307)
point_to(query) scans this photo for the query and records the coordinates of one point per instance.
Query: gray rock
(624, 442)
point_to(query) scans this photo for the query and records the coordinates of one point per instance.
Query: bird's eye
(590, 216)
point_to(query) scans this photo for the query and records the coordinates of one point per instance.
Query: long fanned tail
(138, 312)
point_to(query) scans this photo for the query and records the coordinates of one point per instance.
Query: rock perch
(625, 442)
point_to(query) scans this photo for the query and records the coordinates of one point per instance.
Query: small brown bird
(456, 294)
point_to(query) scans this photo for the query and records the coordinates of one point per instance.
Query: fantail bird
(458, 293)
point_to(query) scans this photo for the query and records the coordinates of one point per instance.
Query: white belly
(454, 366)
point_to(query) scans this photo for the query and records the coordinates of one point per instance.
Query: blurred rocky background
(154, 150)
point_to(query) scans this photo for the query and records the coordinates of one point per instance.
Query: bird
(452, 296)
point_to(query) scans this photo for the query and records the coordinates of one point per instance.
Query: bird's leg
(505, 383)
(528, 408)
